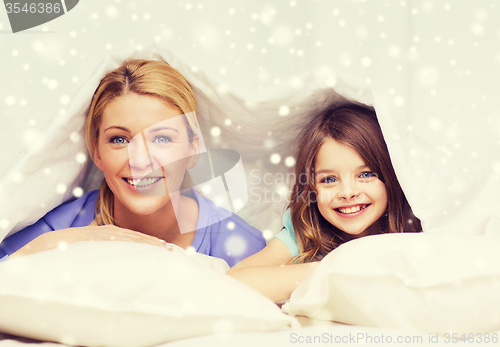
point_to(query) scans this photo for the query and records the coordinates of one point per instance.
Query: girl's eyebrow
(361, 167)
(324, 171)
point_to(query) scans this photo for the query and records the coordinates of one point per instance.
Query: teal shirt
(287, 235)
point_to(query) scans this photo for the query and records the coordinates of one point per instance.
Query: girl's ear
(194, 152)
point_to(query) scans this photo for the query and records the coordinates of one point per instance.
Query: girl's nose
(347, 192)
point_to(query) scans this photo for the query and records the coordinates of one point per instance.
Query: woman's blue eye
(367, 174)
(162, 140)
(118, 140)
(329, 179)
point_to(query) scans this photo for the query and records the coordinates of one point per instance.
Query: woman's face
(350, 195)
(144, 151)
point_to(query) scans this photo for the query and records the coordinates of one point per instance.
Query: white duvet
(449, 195)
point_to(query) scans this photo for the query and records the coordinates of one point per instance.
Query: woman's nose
(138, 154)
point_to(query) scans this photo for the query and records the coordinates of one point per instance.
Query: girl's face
(144, 151)
(350, 195)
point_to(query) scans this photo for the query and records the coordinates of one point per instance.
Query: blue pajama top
(219, 233)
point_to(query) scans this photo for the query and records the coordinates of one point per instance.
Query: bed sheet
(312, 333)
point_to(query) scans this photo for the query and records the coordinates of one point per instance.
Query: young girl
(345, 188)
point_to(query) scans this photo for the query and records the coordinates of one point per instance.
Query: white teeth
(143, 182)
(351, 209)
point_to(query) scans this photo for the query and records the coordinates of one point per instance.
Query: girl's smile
(352, 210)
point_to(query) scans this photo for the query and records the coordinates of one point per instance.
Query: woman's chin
(146, 205)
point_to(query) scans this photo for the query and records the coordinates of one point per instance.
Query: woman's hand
(55, 238)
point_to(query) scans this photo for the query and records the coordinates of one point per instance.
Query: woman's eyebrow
(162, 128)
(117, 127)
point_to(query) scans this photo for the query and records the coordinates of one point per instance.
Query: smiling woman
(142, 132)
(133, 139)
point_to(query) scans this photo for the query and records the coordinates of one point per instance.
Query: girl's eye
(118, 140)
(162, 140)
(367, 174)
(328, 179)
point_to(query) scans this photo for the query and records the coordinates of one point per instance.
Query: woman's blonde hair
(142, 77)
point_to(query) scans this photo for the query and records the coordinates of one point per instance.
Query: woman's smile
(142, 184)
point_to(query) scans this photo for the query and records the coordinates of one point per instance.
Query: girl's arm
(53, 239)
(268, 271)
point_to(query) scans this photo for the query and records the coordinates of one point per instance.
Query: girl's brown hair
(355, 126)
(143, 77)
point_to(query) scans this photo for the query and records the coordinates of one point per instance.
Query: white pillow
(431, 283)
(127, 294)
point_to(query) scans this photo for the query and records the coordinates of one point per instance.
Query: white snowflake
(284, 110)
(435, 124)
(4, 223)
(64, 99)
(61, 188)
(428, 76)
(81, 158)
(345, 59)
(236, 245)
(267, 234)
(282, 35)
(481, 15)
(77, 192)
(10, 100)
(399, 101)
(477, 29)
(52, 84)
(366, 61)
(215, 131)
(275, 158)
(267, 14)
(394, 51)
(111, 11)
